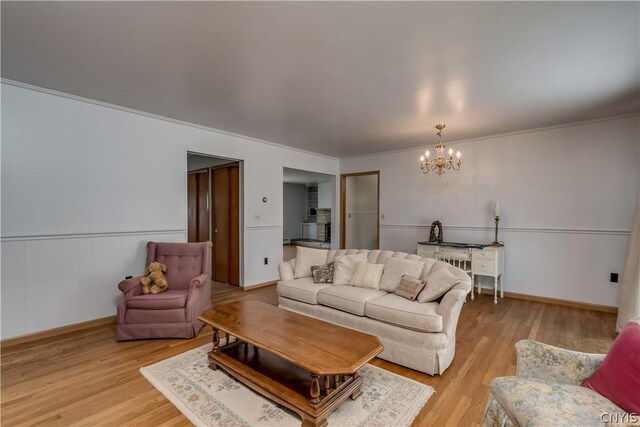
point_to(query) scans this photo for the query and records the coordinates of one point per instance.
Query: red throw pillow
(618, 378)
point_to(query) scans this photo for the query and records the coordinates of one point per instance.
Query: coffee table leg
(315, 389)
(358, 391)
(215, 349)
(216, 341)
(310, 422)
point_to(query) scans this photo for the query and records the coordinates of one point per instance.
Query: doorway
(360, 210)
(213, 212)
(308, 206)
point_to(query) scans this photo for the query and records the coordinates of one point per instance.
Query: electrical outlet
(266, 261)
(613, 278)
(257, 216)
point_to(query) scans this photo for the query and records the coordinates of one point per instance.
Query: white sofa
(420, 336)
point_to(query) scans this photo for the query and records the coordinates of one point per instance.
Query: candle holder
(496, 242)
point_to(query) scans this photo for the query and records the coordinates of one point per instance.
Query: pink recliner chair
(173, 313)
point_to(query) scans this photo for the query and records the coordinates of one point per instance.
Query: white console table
(474, 259)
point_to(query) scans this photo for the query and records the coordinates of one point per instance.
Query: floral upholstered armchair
(546, 391)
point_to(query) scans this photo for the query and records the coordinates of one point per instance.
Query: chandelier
(441, 163)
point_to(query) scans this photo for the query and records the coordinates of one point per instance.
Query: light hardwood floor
(87, 378)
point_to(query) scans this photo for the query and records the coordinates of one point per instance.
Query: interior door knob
(215, 230)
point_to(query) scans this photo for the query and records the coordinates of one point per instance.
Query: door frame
(240, 162)
(343, 205)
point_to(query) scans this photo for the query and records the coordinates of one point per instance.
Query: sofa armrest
(449, 309)
(131, 287)
(199, 281)
(549, 363)
(286, 269)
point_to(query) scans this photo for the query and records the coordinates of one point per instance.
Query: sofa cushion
(399, 311)
(306, 258)
(395, 268)
(531, 402)
(439, 281)
(164, 301)
(367, 275)
(344, 266)
(303, 290)
(347, 298)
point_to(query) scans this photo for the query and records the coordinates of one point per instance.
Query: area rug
(213, 398)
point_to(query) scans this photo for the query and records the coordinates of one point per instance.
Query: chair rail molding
(89, 235)
(515, 229)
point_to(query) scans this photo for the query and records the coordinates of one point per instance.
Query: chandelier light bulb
(422, 158)
(428, 154)
(458, 154)
(450, 152)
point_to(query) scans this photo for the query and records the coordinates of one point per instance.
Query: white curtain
(629, 296)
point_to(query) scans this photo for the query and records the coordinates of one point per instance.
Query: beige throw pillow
(367, 275)
(306, 258)
(439, 282)
(410, 287)
(395, 269)
(344, 267)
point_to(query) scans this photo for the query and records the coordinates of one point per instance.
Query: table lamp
(496, 214)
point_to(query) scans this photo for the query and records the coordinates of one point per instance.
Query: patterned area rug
(213, 398)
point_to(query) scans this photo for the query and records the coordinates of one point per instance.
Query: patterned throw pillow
(409, 287)
(322, 273)
(367, 275)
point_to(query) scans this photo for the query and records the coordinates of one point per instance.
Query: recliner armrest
(555, 364)
(131, 287)
(200, 280)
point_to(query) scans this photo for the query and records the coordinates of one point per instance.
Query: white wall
(325, 195)
(567, 196)
(294, 208)
(84, 186)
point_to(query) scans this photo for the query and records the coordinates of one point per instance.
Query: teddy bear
(154, 281)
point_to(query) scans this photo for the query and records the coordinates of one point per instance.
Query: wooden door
(198, 206)
(225, 189)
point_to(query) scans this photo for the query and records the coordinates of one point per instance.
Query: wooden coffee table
(304, 364)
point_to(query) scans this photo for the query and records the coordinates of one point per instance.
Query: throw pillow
(344, 266)
(307, 257)
(395, 268)
(409, 287)
(439, 282)
(618, 377)
(322, 273)
(367, 275)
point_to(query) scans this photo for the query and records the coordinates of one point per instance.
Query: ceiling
(296, 176)
(337, 78)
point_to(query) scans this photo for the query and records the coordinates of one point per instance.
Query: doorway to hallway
(213, 212)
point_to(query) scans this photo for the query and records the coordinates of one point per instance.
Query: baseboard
(259, 285)
(28, 338)
(567, 303)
